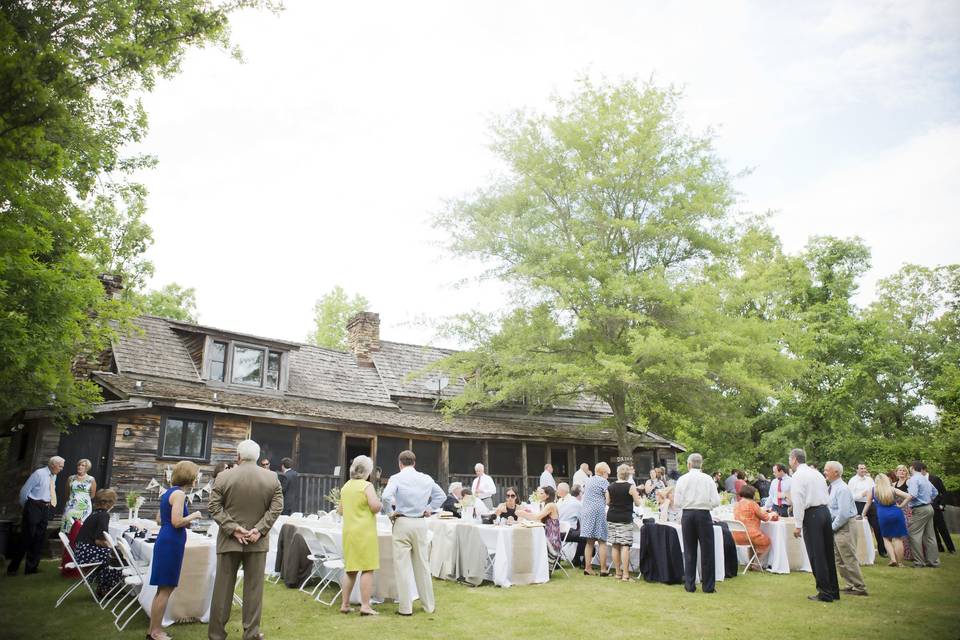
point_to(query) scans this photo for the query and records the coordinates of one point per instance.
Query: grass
(916, 603)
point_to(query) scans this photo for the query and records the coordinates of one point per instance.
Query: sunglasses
(264, 464)
(511, 495)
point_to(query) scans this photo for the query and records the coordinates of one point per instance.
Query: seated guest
(563, 492)
(654, 484)
(667, 505)
(570, 513)
(549, 515)
(508, 509)
(621, 497)
(454, 494)
(890, 518)
(479, 506)
(92, 545)
(751, 515)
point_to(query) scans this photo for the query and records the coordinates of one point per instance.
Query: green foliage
(71, 73)
(170, 301)
(330, 315)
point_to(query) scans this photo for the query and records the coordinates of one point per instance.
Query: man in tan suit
(245, 502)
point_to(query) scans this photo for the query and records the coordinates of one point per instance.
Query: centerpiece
(134, 502)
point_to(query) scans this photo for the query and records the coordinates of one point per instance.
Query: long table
(788, 553)
(190, 601)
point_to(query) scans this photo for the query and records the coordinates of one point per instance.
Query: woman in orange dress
(750, 514)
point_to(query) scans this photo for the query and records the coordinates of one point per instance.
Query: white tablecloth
(790, 554)
(190, 601)
(498, 540)
(718, 556)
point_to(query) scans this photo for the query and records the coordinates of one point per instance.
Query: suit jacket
(288, 482)
(941, 491)
(249, 497)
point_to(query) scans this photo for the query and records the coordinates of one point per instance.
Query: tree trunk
(625, 440)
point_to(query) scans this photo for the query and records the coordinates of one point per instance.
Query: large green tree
(613, 225)
(330, 315)
(70, 74)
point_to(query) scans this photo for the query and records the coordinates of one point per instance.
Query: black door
(352, 448)
(558, 458)
(90, 441)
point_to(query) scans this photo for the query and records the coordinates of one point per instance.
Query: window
(273, 370)
(182, 437)
(218, 360)
(464, 455)
(248, 366)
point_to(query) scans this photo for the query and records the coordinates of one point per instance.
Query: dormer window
(241, 363)
(218, 360)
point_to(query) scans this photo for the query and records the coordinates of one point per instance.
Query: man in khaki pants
(245, 502)
(413, 495)
(843, 512)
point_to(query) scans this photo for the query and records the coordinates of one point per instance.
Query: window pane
(276, 442)
(273, 370)
(216, 371)
(196, 434)
(171, 440)
(247, 365)
(428, 457)
(464, 455)
(218, 356)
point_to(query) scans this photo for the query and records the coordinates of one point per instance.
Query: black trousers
(818, 539)
(941, 531)
(874, 526)
(697, 527)
(33, 537)
(782, 510)
(574, 536)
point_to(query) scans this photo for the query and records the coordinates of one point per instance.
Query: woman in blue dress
(168, 550)
(890, 517)
(593, 517)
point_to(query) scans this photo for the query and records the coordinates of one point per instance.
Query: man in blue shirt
(38, 497)
(922, 536)
(843, 512)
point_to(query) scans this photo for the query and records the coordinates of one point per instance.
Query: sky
(324, 157)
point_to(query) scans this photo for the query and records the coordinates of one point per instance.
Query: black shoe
(405, 615)
(819, 598)
(694, 590)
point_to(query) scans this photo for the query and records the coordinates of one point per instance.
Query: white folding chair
(736, 525)
(313, 516)
(558, 561)
(327, 565)
(86, 571)
(298, 514)
(121, 585)
(134, 582)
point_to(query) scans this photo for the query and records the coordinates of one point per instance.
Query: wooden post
(523, 468)
(485, 456)
(444, 462)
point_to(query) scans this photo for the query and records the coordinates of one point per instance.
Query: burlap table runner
(191, 599)
(796, 553)
(522, 565)
(471, 554)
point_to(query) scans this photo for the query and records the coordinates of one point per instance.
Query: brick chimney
(112, 285)
(363, 336)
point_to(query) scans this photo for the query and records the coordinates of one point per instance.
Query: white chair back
(313, 516)
(737, 526)
(298, 514)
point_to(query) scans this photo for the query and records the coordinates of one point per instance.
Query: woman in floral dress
(80, 504)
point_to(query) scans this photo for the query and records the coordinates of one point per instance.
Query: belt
(46, 502)
(925, 504)
(400, 515)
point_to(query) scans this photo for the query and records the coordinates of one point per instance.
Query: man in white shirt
(809, 495)
(861, 484)
(546, 478)
(778, 500)
(696, 493)
(483, 487)
(582, 474)
(38, 497)
(569, 512)
(413, 495)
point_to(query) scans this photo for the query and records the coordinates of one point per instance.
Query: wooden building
(177, 391)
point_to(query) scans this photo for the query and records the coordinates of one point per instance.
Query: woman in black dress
(92, 545)
(507, 509)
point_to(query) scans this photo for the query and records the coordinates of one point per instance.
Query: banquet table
(788, 553)
(190, 601)
(667, 553)
(518, 553)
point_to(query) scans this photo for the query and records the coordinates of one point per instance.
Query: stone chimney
(363, 336)
(112, 285)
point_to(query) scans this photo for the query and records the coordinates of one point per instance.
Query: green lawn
(906, 602)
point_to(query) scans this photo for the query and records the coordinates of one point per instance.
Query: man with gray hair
(483, 486)
(811, 515)
(696, 493)
(843, 512)
(454, 495)
(38, 497)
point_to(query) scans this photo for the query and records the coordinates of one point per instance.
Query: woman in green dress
(359, 506)
(80, 504)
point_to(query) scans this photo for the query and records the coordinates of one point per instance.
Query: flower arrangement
(725, 498)
(468, 501)
(333, 497)
(533, 498)
(649, 504)
(134, 499)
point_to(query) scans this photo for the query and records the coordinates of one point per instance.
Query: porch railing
(312, 488)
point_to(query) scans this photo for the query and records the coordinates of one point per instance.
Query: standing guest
(483, 486)
(549, 515)
(508, 509)
(861, 486)
(265, 463)
(570, 515)
(654, 484)
(939, 523)
(220, 468)
(290, 485)
(730, 482)
(696, 494)
(751, 515)
(762, 485)
(923, 541)
(359, 506)
(593, 518)
(778, 500)
(92, 545)
(843, 512)
(38, 497)
(454, 494)
(621, 497)
(718, 479)
(168, 550)
(414, 495)
(809, 496)
(890, 518)
(900, 477)
(546, 478)
(245, 502)
(83, 487)
(582, 474)
(738, 484)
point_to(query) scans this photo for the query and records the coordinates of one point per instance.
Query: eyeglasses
(511, 495)
(264, 464)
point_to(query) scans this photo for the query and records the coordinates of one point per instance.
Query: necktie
(779, 491)
(53, 491)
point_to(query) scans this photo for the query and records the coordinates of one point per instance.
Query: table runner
(523, 555)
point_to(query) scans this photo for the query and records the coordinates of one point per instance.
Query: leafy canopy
(330, 315)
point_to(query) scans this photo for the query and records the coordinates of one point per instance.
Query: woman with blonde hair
(890, 516)
(83, 487)
(593, 517)
(621, 497)
(168, 550)
(359, 506)
(902, 474)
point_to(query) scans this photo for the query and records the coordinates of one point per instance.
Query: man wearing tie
(483, 487)
(812, 521)
(37, 497)
(778, 499)
(413, 495)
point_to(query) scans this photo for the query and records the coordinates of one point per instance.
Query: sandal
(347, 610)
(369, 613)
(588, 573)
(604, 574)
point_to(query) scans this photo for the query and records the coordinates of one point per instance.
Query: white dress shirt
(808, 489)
(580, 477)
(483, 487)
(37, 486)
(546, 480)
(412, 493)
(778, 484)
(569, 509)
(696, 490)
(860, 487)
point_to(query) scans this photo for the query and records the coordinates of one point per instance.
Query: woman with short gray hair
(359, 506)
